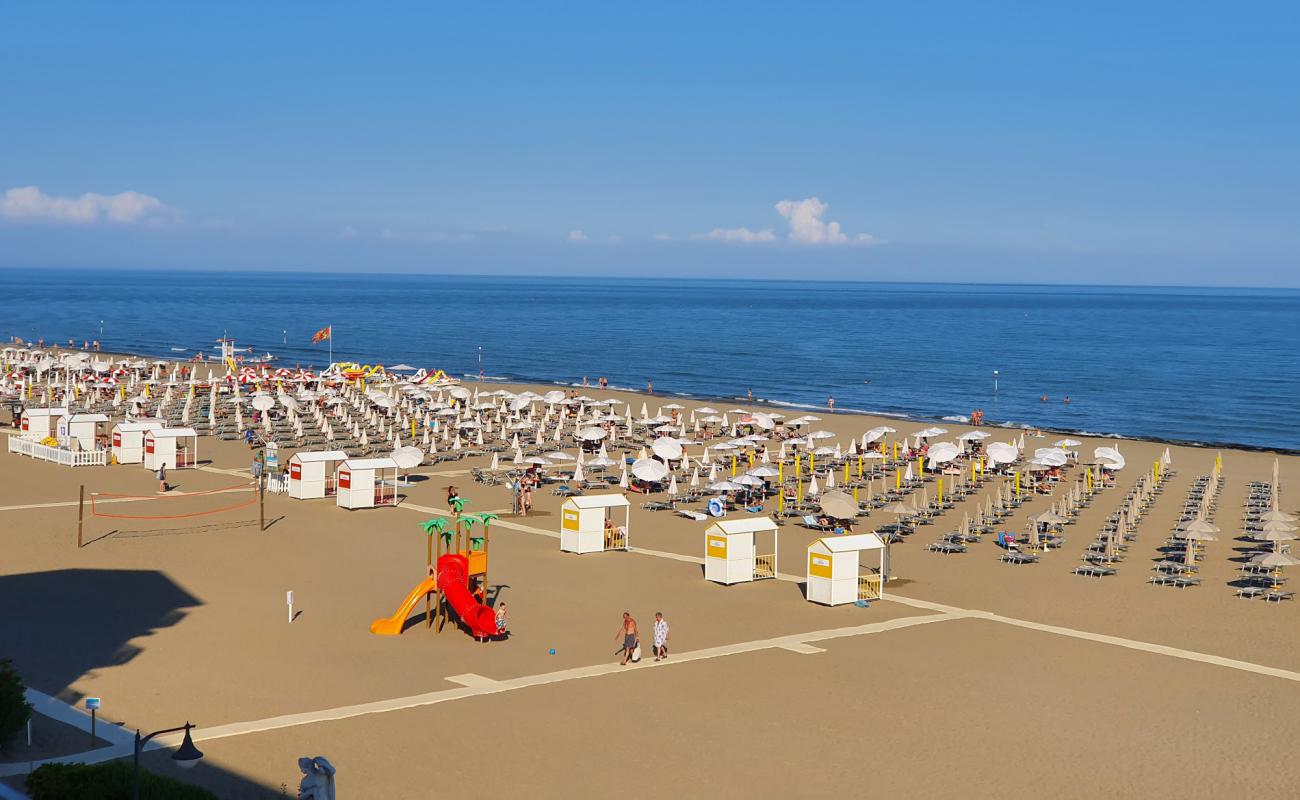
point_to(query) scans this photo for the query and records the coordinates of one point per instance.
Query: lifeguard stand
(128, 440)
(173, 448)
(365, 483)
(84, 429)
(582, 523)
(40, 423)
(312, 474)
(835, 575)
(731, 554)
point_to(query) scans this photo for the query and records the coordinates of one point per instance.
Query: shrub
(14, 708)
(108, 781)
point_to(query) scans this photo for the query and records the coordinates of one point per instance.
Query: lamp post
(186, 756)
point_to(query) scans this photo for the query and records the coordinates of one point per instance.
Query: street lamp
(186, 756)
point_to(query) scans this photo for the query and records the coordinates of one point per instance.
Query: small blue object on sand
(862, 604)
(552, 651)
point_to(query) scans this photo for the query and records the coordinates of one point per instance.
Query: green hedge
(14, 708)
(107, 781)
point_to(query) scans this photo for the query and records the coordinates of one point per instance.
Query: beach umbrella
(813, 489)
(1275, 560)
(838, 505)
(1002, 453)
(672, 486)
(724, 486)
(578, 474)
(496, 463)
(592, 434)
(942, 453)
(668, 448)
(1276, 516)
(695, 477)
(559, 456)
(1109, 457)
(650, 470)
(1196, 527)
(1050, 517)
(622, 479)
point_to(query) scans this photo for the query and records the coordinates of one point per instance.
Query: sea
(1205, 365)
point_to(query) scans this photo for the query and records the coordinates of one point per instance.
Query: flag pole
(331, 338)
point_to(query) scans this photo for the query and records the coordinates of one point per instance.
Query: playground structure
(313, 474)
(583, 526)
(835, 574)
(128, 440)
(362, 483)
(173, 448)
(457, 582)
(731, 554)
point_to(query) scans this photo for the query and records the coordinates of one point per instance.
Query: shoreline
(776, 404)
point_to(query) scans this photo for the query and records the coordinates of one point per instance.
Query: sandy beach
(1009, 679)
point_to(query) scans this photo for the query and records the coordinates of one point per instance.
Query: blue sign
(92, 703)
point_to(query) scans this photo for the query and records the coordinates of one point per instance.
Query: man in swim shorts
(628, 631)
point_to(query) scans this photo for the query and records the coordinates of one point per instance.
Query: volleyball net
(171, 512)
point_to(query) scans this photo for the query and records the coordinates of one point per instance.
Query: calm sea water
(1209, 365)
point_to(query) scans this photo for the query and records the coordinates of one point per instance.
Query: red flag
(322, 334)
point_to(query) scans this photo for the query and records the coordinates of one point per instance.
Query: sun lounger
(1094, 570)
(1277, 597)
(811, 522)
(698, 516)
(657, 505)
(1251, 592)
(1013, 557)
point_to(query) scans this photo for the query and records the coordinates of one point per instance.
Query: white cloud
(577, 236)
(806, 227)
(30, 204)
(663, 237)
(347, 232)
(744, 235)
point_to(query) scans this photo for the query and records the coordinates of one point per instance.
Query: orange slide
(391, 626)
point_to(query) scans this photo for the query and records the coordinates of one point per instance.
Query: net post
(81, 514)
(261, 502)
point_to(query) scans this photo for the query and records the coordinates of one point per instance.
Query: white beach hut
(128, 440)
(173, 448)
(86, 430)
(582, 523)
(39, 423)
(366, 483)
(312, 474)
(835, 574)
(731, 554)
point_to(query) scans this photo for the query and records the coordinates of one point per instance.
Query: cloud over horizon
(30, 204)
(804, 218)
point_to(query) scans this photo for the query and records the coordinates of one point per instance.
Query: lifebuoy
(716, 507)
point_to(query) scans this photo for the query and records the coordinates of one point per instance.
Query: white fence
(59, 455)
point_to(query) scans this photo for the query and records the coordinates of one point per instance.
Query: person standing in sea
(650, 386)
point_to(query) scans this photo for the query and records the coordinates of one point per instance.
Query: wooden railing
(868, 587)
(765, 566)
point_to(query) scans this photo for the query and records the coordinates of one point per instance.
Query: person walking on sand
(629, 633)
(162, 478)
(502, 619)
(660, 636)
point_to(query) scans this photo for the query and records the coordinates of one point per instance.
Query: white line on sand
(476, 685)
(133, 499)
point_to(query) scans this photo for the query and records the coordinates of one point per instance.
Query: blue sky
(1128, 142)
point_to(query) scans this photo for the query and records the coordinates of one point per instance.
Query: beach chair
(1251, 592)
(810, 521)
(1277, 597)
(657, 505)
(698, 516)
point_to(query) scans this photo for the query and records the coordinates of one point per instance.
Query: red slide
(454, 583)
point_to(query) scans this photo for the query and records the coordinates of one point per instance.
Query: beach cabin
(128, 440)
(41, 423)
(835, 573)
(366, 483)
(313, 474)
(583, 526)
(83, 431)
(731, 554)
(173, 448)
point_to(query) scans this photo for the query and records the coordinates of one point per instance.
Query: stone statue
(317, 779)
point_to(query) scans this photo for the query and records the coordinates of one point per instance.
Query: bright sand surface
(977, 679)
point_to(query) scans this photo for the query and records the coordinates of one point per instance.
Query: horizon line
(693, 279)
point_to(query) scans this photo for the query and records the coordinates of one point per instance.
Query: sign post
(288, 598)
(92, 705)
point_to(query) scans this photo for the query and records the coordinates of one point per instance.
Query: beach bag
(636, 652)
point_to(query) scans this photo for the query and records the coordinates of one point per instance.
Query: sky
(1145, 143)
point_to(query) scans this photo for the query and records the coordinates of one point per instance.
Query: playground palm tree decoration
(485, 519)
(436, 527)
(468, 521)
